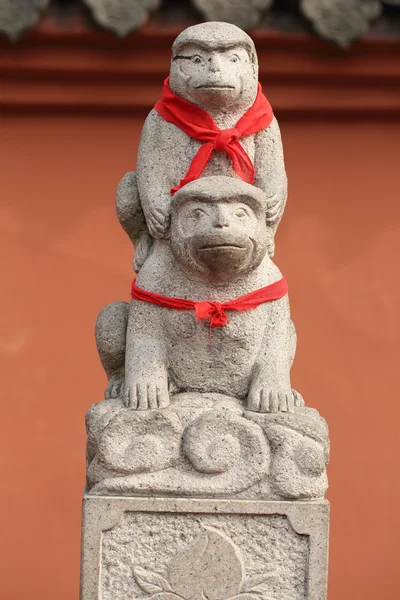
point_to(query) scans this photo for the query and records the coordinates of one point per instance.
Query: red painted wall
(64, 256)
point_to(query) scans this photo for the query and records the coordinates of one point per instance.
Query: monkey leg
(110, 335)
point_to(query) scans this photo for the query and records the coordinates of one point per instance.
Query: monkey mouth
(215, 86)
(222, 247)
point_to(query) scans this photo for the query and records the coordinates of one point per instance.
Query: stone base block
(189, 549)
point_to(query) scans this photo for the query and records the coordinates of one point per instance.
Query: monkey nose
(214, 64)
(220, 222)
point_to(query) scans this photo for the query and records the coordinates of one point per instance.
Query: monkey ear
(177, 67)
(271, 247)
(254, 63)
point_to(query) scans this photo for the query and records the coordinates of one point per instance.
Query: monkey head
(218, 227)
(214, 65)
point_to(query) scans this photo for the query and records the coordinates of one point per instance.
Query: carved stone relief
(206, 445)
(18, 15)
(243, 14)
(341, 21)
(121, 16)
(171, 557)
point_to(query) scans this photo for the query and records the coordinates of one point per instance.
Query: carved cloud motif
(211, 567)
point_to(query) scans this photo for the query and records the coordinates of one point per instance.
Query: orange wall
(64, 256)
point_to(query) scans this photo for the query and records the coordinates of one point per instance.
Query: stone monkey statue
(218, 249)
(214, 67)
(199, 398)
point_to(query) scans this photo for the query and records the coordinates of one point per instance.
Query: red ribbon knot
(226, 137)
(213, 311)
(198, 124)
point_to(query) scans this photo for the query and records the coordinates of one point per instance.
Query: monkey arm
(146, 377)
(128, 208)
(270, 389)
(161, 164)
(130, 215)
(154, 173)
(270, 171)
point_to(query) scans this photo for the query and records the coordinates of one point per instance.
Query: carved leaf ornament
(18, 15)
(210, 567)
(340, 21)
(121, 16)
(243, 14)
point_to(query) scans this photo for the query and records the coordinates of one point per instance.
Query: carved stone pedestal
(219, 549)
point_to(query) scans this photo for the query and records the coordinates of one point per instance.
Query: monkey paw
(273, 209)
(298, 399)
(146, 394)
(142, 250)
(158, 223)
(115, 388)
(265, 400)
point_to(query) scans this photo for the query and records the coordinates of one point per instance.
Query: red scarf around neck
(197, 123)
(215, 311)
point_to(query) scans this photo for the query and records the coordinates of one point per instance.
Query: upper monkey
(214, 71)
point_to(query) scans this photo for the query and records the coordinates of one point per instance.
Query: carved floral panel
(181, 557)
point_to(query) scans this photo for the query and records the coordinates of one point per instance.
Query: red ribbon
(197, 123)
(215, 311)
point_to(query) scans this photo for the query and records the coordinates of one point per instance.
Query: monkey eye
(198, 212)
(234, 58)
(197, 59)
(241, 213)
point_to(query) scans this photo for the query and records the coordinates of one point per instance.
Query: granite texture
(167, 549)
